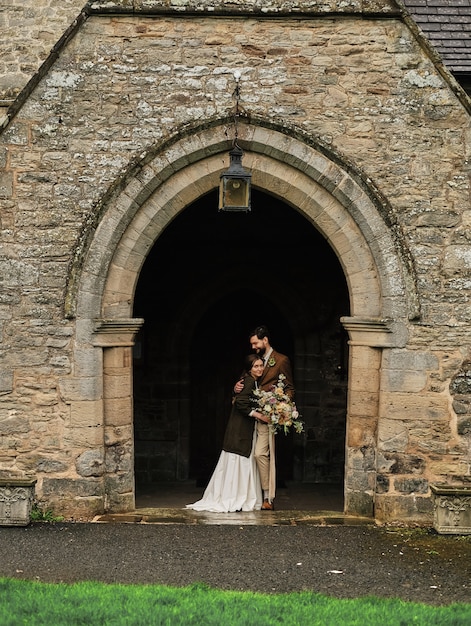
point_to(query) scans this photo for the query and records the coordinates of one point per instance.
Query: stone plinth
(452, 509)
(16, 501)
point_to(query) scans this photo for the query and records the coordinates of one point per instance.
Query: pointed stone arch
(328, 192)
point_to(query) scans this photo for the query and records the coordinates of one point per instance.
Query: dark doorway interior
(219, 367)
(209, 279)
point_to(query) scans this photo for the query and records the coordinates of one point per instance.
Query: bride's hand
(260, 417)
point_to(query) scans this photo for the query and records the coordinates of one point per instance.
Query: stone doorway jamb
(368, 337)
(116, 338)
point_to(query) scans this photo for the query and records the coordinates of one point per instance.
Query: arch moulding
(330, 195)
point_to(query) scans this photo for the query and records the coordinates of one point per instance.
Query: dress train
(233, 486)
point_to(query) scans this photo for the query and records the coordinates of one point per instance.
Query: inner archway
(209, 279)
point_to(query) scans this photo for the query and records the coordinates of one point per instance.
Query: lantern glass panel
(234, 194)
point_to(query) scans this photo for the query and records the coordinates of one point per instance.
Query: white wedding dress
(234, 485)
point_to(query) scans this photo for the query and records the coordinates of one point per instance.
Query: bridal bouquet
(278, 407)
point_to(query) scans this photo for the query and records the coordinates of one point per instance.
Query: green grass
(40, 515)
(90, 603)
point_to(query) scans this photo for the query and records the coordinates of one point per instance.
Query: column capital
(111, 333)
(375, 332)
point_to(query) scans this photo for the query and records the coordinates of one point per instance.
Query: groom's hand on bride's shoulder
(239, 386)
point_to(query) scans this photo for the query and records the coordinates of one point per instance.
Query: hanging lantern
(234, 185)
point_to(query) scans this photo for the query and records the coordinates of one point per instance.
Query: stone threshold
(252, 518)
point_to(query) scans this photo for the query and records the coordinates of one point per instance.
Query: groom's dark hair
(261, 332)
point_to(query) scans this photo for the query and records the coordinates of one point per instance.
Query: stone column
(116, 337)
(368, 337)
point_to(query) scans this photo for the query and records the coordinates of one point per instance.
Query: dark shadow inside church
(209, 279)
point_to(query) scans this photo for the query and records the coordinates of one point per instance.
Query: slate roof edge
(425, 43)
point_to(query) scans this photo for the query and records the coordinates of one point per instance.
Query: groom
(275, 364)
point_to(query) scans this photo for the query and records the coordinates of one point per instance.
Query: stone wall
(365, 91)
(29, 30)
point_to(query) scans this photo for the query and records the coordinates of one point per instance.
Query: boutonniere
(271, 361)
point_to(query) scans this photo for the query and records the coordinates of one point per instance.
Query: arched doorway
(332, 198)
(209, 279)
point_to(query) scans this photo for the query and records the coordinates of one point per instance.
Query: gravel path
(344, 562)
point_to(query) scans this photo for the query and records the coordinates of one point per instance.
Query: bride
(235, 483)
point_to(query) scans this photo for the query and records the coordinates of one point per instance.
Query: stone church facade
(127, 298)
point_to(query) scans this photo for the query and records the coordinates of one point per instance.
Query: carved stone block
(16, 501)
(452, 509)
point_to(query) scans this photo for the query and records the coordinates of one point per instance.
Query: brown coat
(270, 374)
(238, 437)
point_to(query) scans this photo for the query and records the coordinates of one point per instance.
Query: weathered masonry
(126, 297)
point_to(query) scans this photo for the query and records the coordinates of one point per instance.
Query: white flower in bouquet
(279, 408)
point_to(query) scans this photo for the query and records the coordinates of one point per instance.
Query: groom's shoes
(267, 505)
